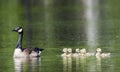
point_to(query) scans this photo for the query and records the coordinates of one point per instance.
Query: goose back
(27, 52)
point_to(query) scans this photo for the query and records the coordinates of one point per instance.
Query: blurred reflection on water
(77, 64)
(67, 64)
(86, 64)
(26, 64)
(98, 64)
(83, 63)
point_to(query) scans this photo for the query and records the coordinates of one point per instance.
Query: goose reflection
(26, 64)
(67, 64)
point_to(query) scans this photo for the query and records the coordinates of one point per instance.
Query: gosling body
(100, 54)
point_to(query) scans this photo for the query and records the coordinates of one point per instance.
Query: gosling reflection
(98, 64)
(80, 63)
(67, 64)
(26, 64)
(83, 63)
(77, 64)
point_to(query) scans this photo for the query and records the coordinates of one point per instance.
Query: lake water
(51, 61)
(53, 25)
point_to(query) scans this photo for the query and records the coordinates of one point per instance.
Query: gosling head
(18, 29)
(83, 51)
(98, 50)
(69, 50)
(77, 50)
(65, 50)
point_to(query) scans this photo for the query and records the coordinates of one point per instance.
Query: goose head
(18, 29)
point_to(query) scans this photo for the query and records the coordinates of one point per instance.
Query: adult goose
(24, 52)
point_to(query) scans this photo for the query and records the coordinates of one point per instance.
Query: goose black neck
(19, 43)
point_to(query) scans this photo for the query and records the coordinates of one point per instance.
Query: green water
(53, 25)
(51, 61)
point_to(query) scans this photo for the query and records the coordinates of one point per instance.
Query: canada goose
(24, 52)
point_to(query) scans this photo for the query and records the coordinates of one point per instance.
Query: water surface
(51, 61)
(53, 25)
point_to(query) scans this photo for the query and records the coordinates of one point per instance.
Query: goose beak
(14, 30)
(41, 49)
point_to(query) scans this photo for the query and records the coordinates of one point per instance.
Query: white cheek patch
(39, 52)
(20, 30)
